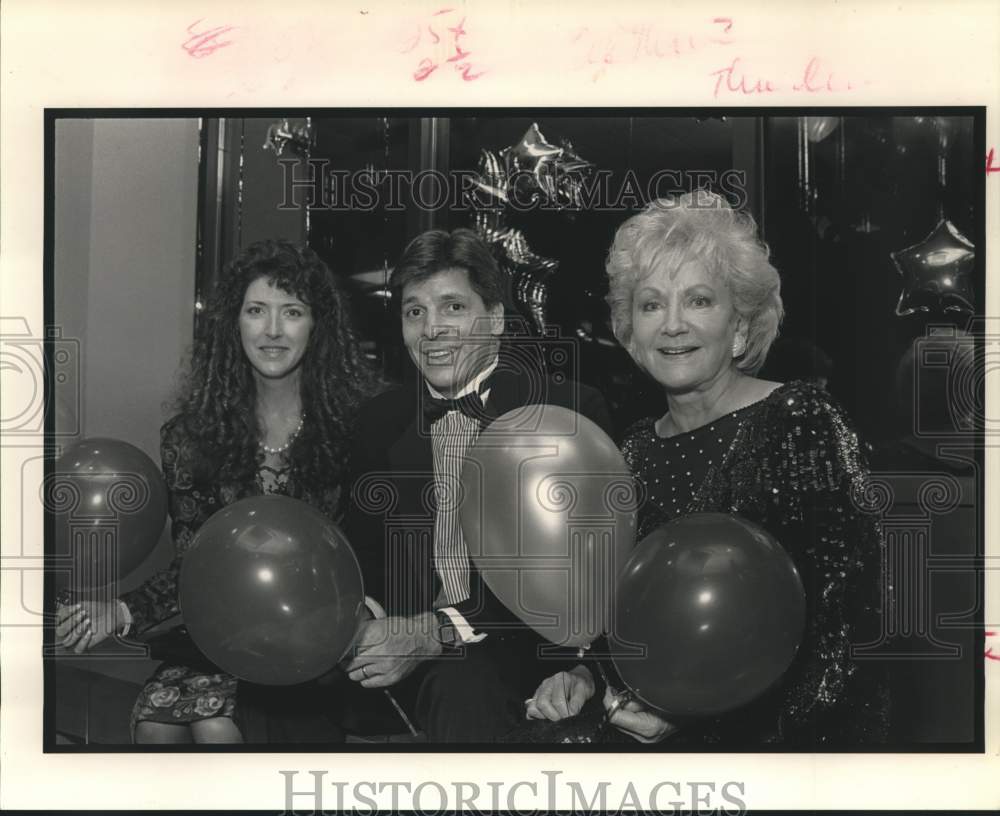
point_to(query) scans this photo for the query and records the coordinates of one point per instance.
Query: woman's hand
(636, 720)
(83, 625)
(562, 695)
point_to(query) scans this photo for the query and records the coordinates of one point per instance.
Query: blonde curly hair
(698, 226)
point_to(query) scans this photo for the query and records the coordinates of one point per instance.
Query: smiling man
(457, 660)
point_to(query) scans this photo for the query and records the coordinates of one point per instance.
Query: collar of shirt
(472, 386)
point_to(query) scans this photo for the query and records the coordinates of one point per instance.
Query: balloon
(718, 606)
(819, 127)
(946, 128)
(271, 591)
(548, 515)
(529, 274)
(542, 172)
(530, 173)
(937, 273)
(109, 504)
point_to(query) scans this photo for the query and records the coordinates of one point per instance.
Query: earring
(739, 346)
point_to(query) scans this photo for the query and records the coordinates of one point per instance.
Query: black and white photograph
(647, 432)
(476, 407)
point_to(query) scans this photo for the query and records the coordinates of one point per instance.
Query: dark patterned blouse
(793, 464)
(177, 693)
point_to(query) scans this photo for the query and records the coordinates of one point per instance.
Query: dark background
(831, 210)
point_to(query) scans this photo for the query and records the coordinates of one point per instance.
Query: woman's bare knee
(154, 733)
(216, 730)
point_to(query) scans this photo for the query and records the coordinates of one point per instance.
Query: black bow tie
(471, 405)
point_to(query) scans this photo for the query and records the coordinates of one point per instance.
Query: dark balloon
(548, 515)
(937, 273)
(109, 504)
(271, 591)
(718, 606)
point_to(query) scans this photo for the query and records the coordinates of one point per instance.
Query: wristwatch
(126, 615)
(447, 634)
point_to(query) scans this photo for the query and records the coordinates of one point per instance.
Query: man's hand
(637, 721)
(562, 695)
(388, 649)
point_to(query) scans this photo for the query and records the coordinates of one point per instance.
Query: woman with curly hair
(268, 406)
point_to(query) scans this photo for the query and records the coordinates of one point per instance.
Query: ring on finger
(364, 672)
(617, 702)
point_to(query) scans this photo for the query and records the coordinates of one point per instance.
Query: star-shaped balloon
(531, 168)
(491, 185)
(937, 273)
(532, 153)
(532, 172)
(819, 127)
(529, 274)
(520, 177)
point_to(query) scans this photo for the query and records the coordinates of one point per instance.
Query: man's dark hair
(437, 250)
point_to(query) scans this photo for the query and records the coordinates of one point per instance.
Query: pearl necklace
(288, 444)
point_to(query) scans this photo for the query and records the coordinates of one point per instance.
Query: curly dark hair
(217, 399)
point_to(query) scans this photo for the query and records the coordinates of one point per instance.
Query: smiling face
(683, 327)
(448, 330)
(274, 330)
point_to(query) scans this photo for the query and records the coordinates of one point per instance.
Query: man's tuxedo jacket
(390, 516)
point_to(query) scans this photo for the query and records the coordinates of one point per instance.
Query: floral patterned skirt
(179, 695)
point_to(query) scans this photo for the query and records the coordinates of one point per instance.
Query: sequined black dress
(792, 464)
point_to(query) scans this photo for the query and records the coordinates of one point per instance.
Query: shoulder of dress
(801, 403)
(804, 431)
(638, 435)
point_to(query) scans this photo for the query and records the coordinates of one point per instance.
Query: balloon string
(401, 713)
(604, 674)
(620, 700)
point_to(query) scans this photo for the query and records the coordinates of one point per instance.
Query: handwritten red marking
(413, 43)
(812, 80)
(459, 58)
(202, 43)
(989, 652)
(458, 31)
(467, 75)
(736, 81)
(989, 163)
(425, 69)
(601, 48)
